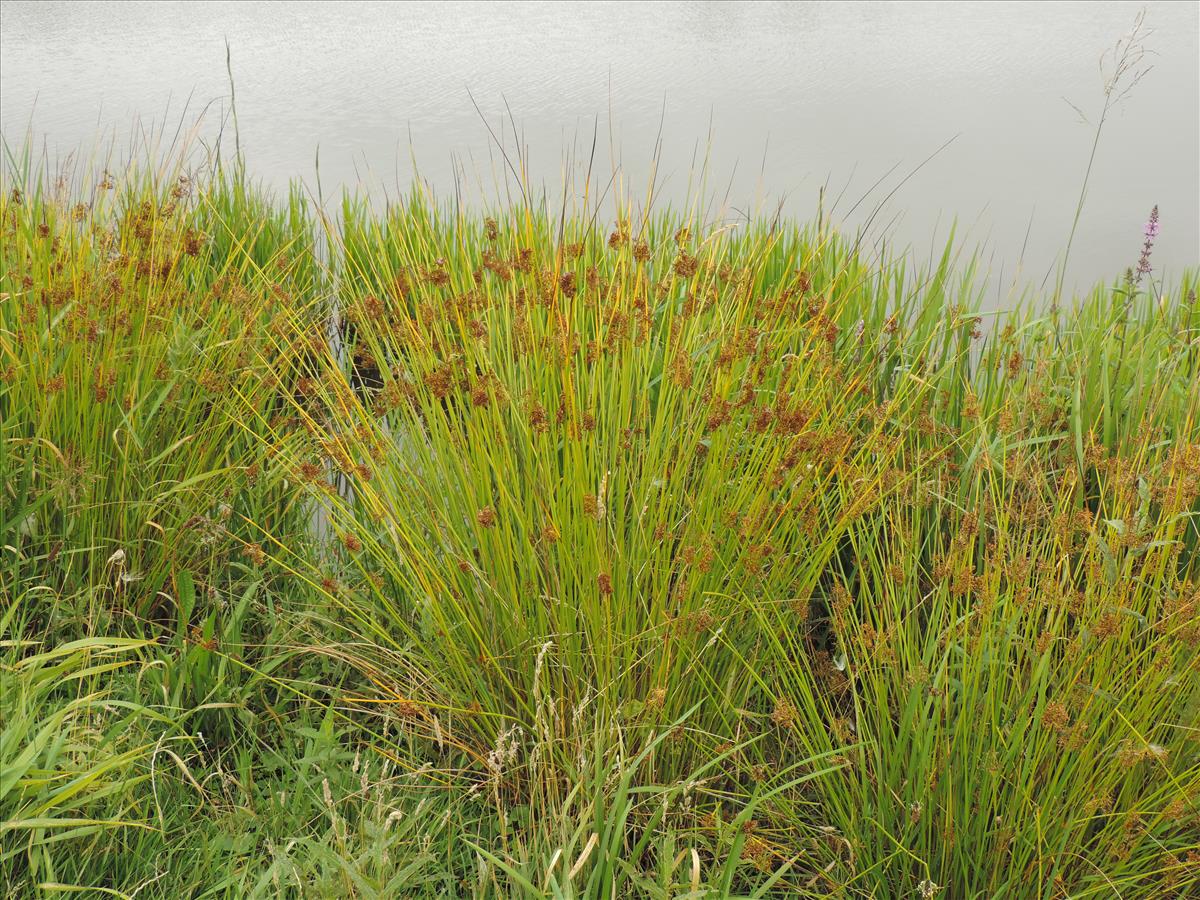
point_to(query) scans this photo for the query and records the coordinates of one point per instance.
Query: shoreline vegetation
(523, 553)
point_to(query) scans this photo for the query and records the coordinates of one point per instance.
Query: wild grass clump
(137, 616)
(748, 487)
(132, 328)
(669, 557)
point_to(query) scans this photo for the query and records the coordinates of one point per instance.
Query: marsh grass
(753, 477)
(663, 558)
(133, 326)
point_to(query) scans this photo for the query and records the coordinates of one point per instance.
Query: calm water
(783, 99)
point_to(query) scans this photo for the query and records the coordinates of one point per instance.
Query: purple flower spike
(1152, 225)
(1151, 232)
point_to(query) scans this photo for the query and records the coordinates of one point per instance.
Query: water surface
(782, 99)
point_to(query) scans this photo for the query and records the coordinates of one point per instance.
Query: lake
(783, 100)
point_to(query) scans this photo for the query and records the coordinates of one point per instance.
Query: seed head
(1056, 717)
(784, 714)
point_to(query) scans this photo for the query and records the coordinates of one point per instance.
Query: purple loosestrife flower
(1151, 232)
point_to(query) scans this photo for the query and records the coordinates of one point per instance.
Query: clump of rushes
(133, 325)
(529, 379)
(795, 495)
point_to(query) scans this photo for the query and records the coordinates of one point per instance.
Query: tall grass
(661, 558)
(131, 332)
(601, 480)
